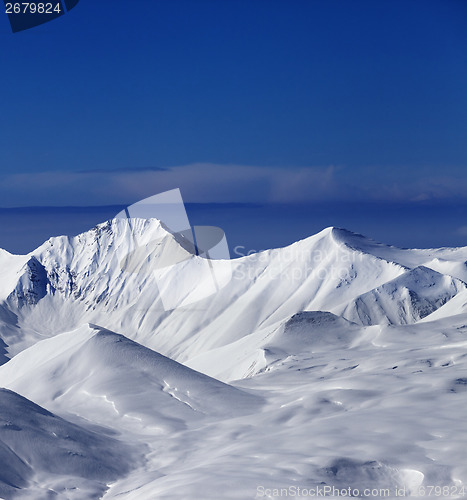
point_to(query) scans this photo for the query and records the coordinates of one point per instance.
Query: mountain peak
(356, 241)
(348, 239)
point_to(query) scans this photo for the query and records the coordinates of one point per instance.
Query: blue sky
(267, 101)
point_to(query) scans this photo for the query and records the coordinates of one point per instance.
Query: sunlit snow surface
(336, 361)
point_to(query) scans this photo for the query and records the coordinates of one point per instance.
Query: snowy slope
(305, 332)
(11, 267)
(40, 451)
(109, 379)
(452, 261)
(387, 413)
(456, 306)
(343, 363)
(406, 299)
(85, 274)
(107, 276)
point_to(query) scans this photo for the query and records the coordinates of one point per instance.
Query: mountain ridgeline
(69, 281)
(334, 359)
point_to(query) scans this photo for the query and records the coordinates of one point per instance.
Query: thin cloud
(121, 169)
(212, 183)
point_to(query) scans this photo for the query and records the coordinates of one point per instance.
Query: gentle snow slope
(109, 379)
(43, 451)
(305, 332)
(386, 411)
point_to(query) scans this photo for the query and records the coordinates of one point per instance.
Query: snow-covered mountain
(411, 296)
(307, 354)
(70, 281)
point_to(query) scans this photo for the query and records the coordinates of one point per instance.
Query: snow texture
(336, 361)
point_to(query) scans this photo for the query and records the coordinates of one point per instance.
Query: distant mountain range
(336, 360)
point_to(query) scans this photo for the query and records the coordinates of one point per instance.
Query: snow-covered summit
(108, 276)
(430, 257)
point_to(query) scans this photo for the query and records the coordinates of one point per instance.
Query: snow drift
(336, 360)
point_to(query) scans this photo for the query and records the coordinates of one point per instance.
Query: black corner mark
(24, 15)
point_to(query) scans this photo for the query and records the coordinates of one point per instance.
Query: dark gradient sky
(268, 101)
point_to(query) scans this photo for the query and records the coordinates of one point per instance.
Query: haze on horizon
(310, 102)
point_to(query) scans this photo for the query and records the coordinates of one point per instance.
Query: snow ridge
(334, 361)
